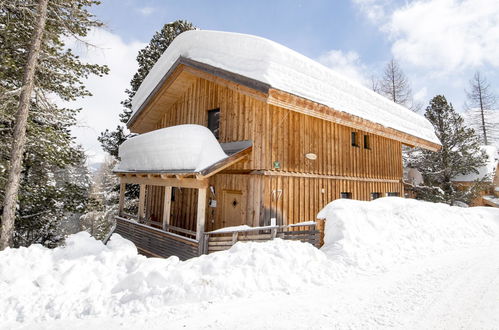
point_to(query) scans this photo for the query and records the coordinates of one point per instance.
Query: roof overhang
(314, 109)
(188, 178)
(185, 71)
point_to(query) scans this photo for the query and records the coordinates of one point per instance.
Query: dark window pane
(354, 139)
(346, 195)
(366, 142)
(214, 122)
(375, 195)
(393, 194)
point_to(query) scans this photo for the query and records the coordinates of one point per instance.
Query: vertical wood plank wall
(283, 136)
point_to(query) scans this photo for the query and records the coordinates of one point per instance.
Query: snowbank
(87, 278)
(183, 147)
(488, 169)
(379, 234)
(284, 69)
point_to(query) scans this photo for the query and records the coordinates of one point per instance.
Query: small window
(214, 122)
(354, 139)
(375, 195)
(366, 142)
(346, 195)
(393, 194)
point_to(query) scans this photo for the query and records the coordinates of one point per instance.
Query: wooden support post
(142, 201)
(201, 213)
(166, 207)
(122, 199)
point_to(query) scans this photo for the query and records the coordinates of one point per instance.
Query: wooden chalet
(289, 154)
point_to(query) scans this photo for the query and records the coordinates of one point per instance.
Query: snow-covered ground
(389, 263)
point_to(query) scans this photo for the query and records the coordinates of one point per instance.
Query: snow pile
(183, 147)
(87, 278)
(377, 235)
(488, 169)
(284, 69)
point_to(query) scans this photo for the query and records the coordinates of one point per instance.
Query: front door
(232, 214)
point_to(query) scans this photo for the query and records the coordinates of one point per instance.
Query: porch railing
(155, 242)
(223, 240)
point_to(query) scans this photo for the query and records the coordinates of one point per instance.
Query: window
(214, 122)
(393, 194)
(346, 195)
(354, 139)
(366, 142)
(375, 195)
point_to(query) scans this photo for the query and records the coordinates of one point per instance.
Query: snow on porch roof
(182, 149)
(283, 69)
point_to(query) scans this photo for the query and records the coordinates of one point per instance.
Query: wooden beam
(166, 207)
(172, 182)
(321, 176)
(142, 201)
(122, 198)
(201, 213)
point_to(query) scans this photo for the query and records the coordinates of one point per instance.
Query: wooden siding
(241, 116)
(300, 187)
(293, 199)
(285, 136)
(183, 209)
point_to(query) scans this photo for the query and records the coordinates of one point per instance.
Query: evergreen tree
(147, 57)
(103, 203)
(481, 102)
(49, 192)
(460, 154)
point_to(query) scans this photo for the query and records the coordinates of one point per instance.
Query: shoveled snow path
(458, 290)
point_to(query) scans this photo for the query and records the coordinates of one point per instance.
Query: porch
(174, 241)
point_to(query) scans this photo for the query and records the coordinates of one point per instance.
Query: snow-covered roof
(283, 69)
(488, 169)
(186, 148)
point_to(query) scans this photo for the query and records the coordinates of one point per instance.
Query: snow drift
(379, 234)
(183, 147)
(86, 278)
(284, 69)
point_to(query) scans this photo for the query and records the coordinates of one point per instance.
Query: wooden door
(232, 208)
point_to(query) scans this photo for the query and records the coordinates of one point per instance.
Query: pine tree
(47, 194)
(103, 204)
(147, 57)
(481, 102)
(19, 135)
(460, 154)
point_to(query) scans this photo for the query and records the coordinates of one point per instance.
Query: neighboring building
(296, 135)
(489, 196)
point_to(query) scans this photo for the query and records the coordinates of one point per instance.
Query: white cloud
(146, 11)
(442, 35)
(101, 110)
(347, 64)
(421, 95)
(374, 10)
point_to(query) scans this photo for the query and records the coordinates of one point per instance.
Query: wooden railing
(156, 242)
(224, 240)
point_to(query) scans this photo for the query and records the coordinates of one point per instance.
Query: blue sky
(438, 43)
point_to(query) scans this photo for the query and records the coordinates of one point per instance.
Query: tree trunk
(19, 137)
